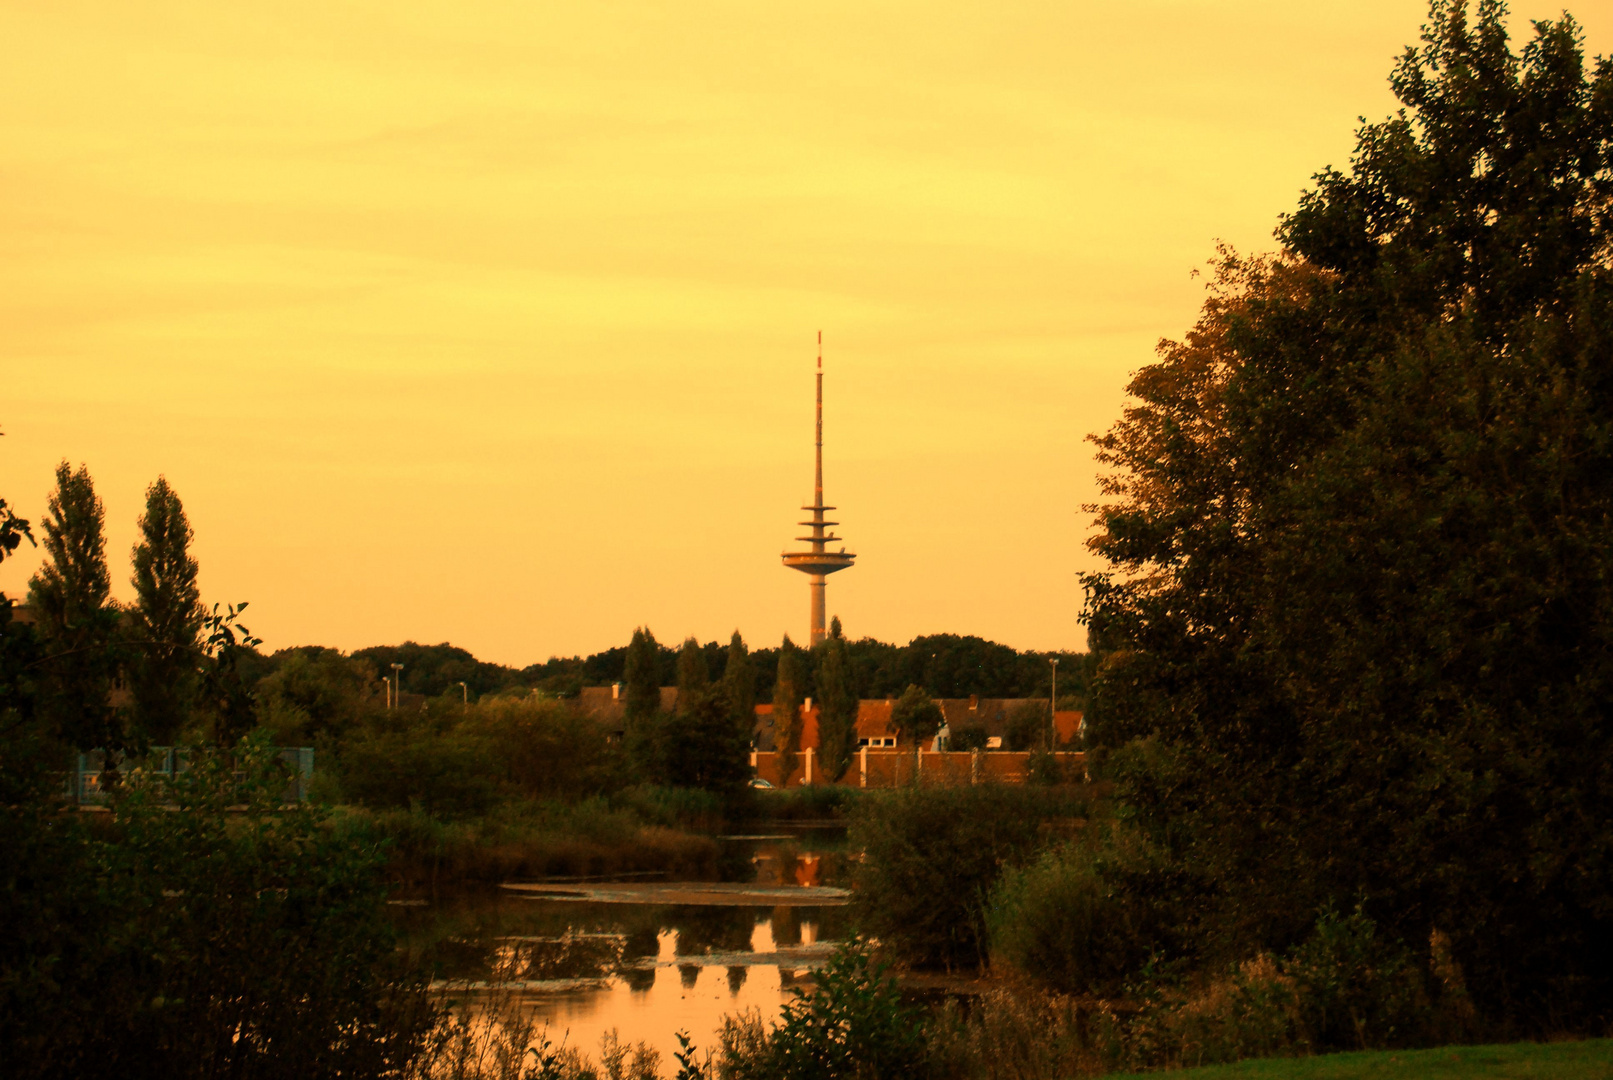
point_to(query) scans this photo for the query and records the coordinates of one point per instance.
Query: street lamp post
(397, 684)
(1053, 707)
(464, 695)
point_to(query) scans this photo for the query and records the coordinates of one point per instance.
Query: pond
(646, 957)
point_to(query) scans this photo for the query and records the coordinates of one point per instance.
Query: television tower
(818, 563)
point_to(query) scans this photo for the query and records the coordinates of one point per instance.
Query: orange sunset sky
(493, 322)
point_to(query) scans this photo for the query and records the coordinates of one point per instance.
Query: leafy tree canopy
(1359, 523)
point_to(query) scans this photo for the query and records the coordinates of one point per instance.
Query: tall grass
(528, 840)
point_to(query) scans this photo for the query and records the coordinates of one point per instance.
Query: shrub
(967, 737)
(1027, 727)
(931, 856)
(545, 749)
(203, 939)
(1084, 918)
(852, 1023)
(809, 802)
(439, 772)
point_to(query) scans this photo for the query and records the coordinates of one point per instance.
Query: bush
(203, 939)
(1085, 918)
(529, 840)
(1027, 727)
(967, 737)
(852, 1023)
(546, 749)
(810, 802)
(931, 856)
(439, 772)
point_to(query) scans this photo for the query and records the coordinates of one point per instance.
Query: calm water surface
(647, 970)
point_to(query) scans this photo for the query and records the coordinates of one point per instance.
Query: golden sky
(493, 322)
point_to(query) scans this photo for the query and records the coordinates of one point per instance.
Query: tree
(700, 745)
(693, 678)
(1026, 727)
(641, 672)
(837, 716)
(165, 623)
(315, 692)
(1361, 525)
(739, 686)
(787, 707)
(23, 774)
(224, 698)
(71, 596)
(916, 716)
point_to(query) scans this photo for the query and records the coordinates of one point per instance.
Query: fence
(893, 767)
(83, 786)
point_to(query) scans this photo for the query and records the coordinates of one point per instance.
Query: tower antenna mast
(819, 562)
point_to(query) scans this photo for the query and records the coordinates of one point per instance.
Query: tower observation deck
(819, 562)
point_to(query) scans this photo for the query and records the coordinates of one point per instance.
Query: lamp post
(397, 684)
(1053, 707)
(464, 695)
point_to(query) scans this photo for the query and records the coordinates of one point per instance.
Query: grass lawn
(1588, 1060)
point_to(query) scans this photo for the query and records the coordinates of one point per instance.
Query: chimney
(808, 704)
(615, 691)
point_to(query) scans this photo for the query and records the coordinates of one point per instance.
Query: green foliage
(543, 749)
(314, 692)
(787, 699)
(810, 802)
(1591, 1059)
(739, 685)
(916, 717)
(837, 716)
(72, 600)
(590, 837)
(1087, 917)
(932, 855)
(693, 676)
(701, 746)
(163, 628)
(1027, 726)
(250, 942)
(223, 695)
(852, 1023)
(967, 737)
(437, 670)
(441, 770)
(1360, 525)
(642, 674)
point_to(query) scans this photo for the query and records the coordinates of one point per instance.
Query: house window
(880, 741)
(994, 742)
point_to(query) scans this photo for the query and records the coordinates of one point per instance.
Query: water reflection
(587, 968)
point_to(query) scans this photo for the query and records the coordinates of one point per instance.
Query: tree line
(121, 677)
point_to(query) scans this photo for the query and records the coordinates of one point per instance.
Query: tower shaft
(819, 562)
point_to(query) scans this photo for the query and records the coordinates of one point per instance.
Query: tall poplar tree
(693, 678)
(787, 707)
(739, 686)
(164, 626)
(71, 596)
(641, 670)
(837, 718)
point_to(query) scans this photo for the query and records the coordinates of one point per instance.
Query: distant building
(608, 705)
